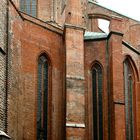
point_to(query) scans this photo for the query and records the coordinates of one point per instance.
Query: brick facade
(3, 43)
(67, 33)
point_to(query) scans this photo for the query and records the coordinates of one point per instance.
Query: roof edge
(90, 36)
(120, 14)
(130, 47)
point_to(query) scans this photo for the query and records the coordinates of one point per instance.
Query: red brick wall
(3, 47)
(112, 63)
(75, 70)
(128, 27)
(28, 41)
(95, 51)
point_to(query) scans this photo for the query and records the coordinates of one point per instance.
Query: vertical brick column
(116, 81)
(75, 126)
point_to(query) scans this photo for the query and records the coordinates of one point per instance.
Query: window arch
(129, 81)
(97, 94)
(42, 98)
(29, 7)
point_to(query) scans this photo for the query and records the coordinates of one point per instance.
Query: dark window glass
(128, 80)
(97, 91)
(29, 7)
(42, 100)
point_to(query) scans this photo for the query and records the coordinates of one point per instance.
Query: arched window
(29, 7)
(42, 98)
(129, 89)
(97, 93)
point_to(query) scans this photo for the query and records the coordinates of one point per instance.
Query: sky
(130, 8)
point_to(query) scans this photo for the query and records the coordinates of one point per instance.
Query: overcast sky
(129, 8)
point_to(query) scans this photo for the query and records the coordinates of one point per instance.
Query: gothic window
(42, 98)
(129, 81)
(29, 7)
(97, 93)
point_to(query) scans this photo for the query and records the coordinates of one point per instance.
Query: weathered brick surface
(3, 23)
(117, 87)
(95, 51)
(75, 69)
(28, 41)
(2, 92)
(3, 43)
(111, 54)
(70, 75)
(75, 134)
(134, 35)
(45, 12)
(75, 101)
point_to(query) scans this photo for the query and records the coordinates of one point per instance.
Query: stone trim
(74, 26)
(75, 77)
(75, 125)
(3, 134)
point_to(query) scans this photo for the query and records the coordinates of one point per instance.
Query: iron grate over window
(97, 93)
(42, 100)
(29, 7)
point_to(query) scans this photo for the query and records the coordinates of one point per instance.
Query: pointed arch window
(42, 98)
(97, 93)
(129, 89)
(29, 7)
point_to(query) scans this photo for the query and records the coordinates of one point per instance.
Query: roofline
(95, 39)
(44, 24)
(105, 37)
(41, 23)
(123, 43)
(90, 1)
(130, 47)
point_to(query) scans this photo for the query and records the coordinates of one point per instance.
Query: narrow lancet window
(42, 98)
(129, 81)
(97, 93)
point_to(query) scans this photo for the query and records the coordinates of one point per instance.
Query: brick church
(62, 77)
